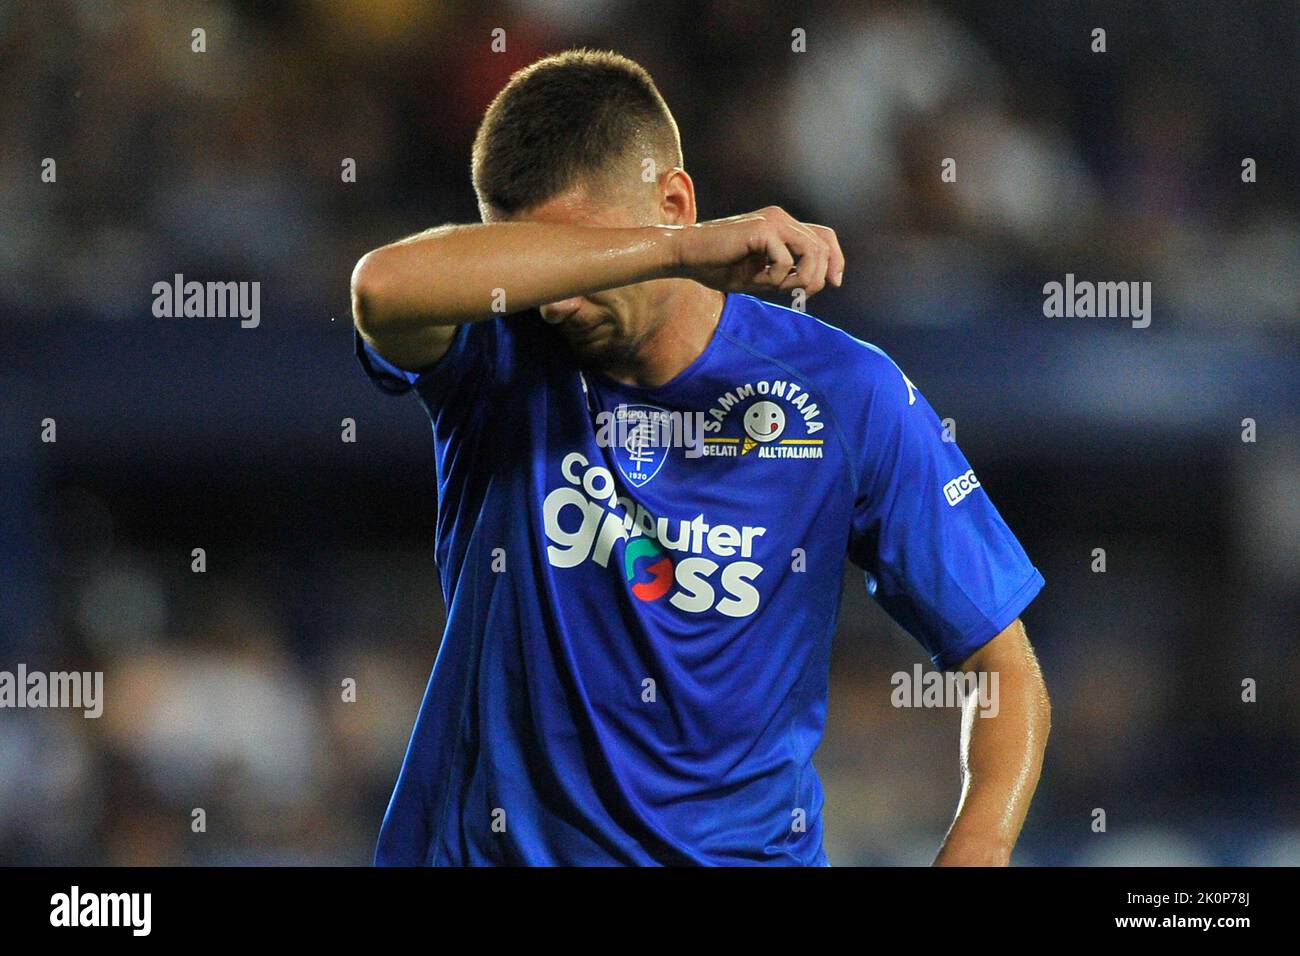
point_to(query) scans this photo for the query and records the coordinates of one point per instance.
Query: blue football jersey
(642, 585)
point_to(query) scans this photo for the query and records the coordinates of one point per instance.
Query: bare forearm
(1002, 757)
(457, 274)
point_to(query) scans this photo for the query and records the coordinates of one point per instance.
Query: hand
(768, 250)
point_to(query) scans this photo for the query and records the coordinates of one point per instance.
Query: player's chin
(599, 349)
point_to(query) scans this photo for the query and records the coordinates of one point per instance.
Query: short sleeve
(386, 376)
(455, 379)
(938, 556)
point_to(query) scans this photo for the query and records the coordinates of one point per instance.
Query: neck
(692, 313)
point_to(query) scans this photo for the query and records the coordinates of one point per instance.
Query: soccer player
(648, 482)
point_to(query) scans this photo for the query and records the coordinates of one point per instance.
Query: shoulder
(845, 369)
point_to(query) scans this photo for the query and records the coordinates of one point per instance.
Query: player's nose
(557, 312)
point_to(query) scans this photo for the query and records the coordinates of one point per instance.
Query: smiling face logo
(764, 422)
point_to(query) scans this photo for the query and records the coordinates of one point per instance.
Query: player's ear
(676, 198)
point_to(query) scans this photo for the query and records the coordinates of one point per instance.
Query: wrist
(958, 851)
(668, 262)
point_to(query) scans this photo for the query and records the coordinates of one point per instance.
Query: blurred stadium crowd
(225, 690)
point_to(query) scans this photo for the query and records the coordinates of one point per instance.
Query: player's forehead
(577, 206)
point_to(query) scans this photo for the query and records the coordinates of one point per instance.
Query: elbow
(366, 282)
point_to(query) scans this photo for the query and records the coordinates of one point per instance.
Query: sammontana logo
(767, 407)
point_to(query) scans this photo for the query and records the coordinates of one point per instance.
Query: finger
(780, 260)
(822, 253)
(810, 272)
(835, 263)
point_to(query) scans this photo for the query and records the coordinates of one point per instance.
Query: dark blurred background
(224, 688)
